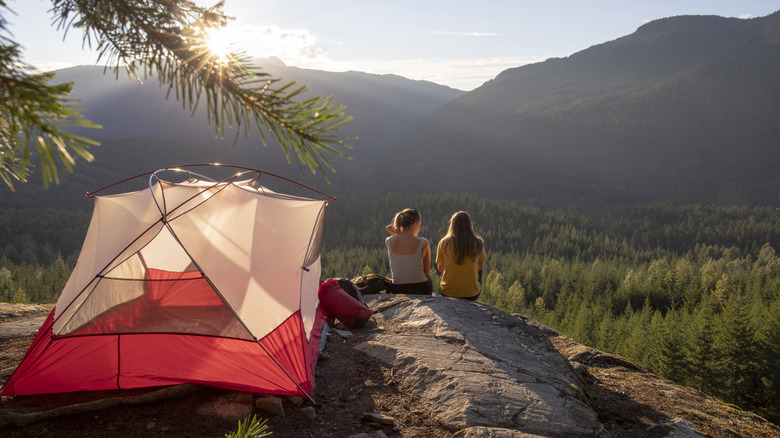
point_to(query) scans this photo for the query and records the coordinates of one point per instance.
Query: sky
(458, 43)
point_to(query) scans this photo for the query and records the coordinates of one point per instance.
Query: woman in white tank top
(410, 255)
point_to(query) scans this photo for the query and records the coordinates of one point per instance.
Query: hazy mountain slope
(142, 131)
(382, 106)
(684, 109)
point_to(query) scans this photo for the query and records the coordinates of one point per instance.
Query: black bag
(350, 288)
(371, 283)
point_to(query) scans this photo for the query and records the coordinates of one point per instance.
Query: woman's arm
(426, 256)
(440, 257)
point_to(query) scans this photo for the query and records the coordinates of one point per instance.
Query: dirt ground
(350, 384)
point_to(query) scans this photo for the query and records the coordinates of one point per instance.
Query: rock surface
(479, 367)
(15, 324)
(354, 378)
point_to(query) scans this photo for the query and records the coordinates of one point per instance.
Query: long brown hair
(461, 234)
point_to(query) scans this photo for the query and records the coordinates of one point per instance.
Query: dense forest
(692, 292)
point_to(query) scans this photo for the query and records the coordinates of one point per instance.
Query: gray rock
(379, 418)
(678, 428)
(21, 328)
(270, 405)
(295, 400)
(492, 432)
(309, 413)
(478, 366)
(343, 333)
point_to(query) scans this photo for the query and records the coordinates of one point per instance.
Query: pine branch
(168, 39)
(34, 111)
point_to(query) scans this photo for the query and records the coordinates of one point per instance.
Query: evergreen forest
(689, 291)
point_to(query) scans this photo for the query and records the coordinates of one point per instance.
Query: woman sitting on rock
(410, 255)
(459, 258)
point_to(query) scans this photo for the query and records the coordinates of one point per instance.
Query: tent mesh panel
(169, 302)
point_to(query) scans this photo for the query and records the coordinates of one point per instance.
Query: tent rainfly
(205, 281)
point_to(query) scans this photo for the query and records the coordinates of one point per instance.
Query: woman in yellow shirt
(459, 257)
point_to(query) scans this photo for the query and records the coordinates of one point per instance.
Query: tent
(192, 279)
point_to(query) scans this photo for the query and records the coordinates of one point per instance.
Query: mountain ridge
(678, 111)
(143, 131)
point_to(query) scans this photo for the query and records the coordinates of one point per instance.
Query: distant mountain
(383, 106)
(143, 131)
(685, 109)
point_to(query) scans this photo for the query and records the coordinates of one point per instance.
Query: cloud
(299, 47)
(474, 34)
(265, 41)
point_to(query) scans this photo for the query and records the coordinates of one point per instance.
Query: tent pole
(164, 219)
(285, 371)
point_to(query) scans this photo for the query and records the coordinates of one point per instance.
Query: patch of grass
(250, 427)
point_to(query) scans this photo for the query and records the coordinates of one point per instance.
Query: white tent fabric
(258, 249)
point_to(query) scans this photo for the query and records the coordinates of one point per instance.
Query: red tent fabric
(96, 363)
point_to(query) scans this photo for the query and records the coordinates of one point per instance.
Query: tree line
(691, 291)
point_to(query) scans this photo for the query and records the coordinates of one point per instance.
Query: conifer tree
(697, 348)
(515, 298)
(768, 338)
(54, 280)
(551, 282)
(735, 354)
(635, 346)
(6, 284)
(667, 351)
(166, 39)
(586, 322)
(606, 334)
(18, 295)
(494, 289)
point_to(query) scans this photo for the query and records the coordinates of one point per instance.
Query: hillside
(142, 131)
(682, 110)
(383, 106)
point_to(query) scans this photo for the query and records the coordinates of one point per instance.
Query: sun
(221, 44)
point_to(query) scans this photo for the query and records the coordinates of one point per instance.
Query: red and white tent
(195, 280)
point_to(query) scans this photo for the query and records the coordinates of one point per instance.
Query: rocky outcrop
(483, 372)
(421, 368)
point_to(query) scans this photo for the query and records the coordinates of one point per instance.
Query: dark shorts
(474, 298)
(423, 288)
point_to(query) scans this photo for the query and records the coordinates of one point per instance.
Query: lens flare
(221, 44)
